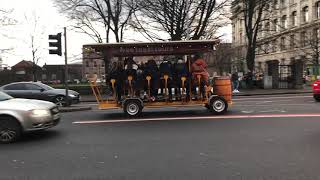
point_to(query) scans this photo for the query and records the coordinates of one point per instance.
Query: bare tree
(5, 20)
(181, 19)
(253, 11)
(313, 48)
(221, 60)
(36, 31)
(93, 15)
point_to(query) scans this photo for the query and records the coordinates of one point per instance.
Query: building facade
(55, 73)
(289, 33)
(288, 43)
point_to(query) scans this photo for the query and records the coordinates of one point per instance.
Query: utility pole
(66, 66)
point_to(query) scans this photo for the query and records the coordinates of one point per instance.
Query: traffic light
(55, 44)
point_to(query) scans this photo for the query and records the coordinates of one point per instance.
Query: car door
(16, 90)
(35, 91)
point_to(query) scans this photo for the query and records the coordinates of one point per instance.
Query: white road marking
(262, 105)
(247, 112)
(269, 111)
(264, 102)
(264, 98)
(200, 118)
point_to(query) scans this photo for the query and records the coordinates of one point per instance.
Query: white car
(24, 115)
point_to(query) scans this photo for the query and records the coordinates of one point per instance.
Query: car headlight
(40, 112)
(72, 95)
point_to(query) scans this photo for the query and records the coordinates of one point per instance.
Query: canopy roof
(152, 48)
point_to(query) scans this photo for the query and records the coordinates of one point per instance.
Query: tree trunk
(250, 58)
(34, 73)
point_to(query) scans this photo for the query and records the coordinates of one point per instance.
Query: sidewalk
(243, 92)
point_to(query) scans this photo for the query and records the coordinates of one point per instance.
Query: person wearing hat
(199, 67)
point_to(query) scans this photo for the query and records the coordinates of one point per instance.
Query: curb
(279, 93)
(73, 109)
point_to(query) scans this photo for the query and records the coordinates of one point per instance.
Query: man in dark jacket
(166, 69)
(130, 69)
(181, 70)
(151, 69)
(116, 73)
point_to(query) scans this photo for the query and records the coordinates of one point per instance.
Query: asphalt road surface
(261, 138)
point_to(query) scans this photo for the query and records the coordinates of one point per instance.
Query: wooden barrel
(222, 87)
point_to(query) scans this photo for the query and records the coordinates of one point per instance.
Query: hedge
(82, 89)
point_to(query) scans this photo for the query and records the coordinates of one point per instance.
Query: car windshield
(4, 96)
(46, 87)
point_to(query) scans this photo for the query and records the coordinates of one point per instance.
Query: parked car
(37, 90)
(316, 90)
(24, 115)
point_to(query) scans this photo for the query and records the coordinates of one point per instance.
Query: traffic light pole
(66, 66)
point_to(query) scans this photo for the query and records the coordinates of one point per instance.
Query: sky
(49, 21)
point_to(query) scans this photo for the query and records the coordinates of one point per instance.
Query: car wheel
(10, 130)
(218, 105)
(316, 98)
(132, 108)
(60, 101)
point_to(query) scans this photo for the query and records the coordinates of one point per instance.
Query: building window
(317, 33)
(316, 37)
(87, 64)
(292, 41)
(284, 22)
(267, 27)
(53, 77)
(305, 14)
(95, 63)
(318, 10)
(275, 25)
(241, 24)
(283, 3)
(294, 18)
(102, 64)
(267, 8)
(267, 47)
(274, 45)
(303, 39)
(258, 49)
(283, 43)
(240, 38)
(276, 4)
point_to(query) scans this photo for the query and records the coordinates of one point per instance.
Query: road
(264, 137)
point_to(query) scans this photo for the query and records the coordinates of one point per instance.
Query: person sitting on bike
(166, 69)
(181, 71)
(139, 85)
(151, 69)
(116, 73)
(130, 69)
(199, 68)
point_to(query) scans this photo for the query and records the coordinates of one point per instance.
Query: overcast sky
(50, 21)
